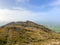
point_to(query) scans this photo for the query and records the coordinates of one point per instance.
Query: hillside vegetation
(27, 33)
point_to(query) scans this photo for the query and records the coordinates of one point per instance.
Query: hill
(27, 33)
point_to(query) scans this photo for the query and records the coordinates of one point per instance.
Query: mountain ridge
(27, 33)
(28, 24)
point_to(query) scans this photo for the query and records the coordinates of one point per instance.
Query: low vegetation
(27, 33)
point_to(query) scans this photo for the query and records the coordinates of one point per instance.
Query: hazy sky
(35, 10)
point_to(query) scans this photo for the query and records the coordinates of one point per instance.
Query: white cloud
(18, 15)
(21, 14)
(22, 1)
(55, 3)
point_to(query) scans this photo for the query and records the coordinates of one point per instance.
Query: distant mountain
(27, 33)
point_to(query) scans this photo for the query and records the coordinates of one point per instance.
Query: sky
(33, 10)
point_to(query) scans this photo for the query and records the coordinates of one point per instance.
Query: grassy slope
(27, 34)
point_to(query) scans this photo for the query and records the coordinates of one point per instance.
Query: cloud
(10, 15)
(18, 15)
(22, 1)
(55, 3)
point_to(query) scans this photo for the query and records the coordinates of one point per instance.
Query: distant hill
(27, 33)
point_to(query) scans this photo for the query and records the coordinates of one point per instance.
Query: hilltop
(27, 33)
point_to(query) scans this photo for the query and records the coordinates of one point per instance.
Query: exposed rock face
(27, 33)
